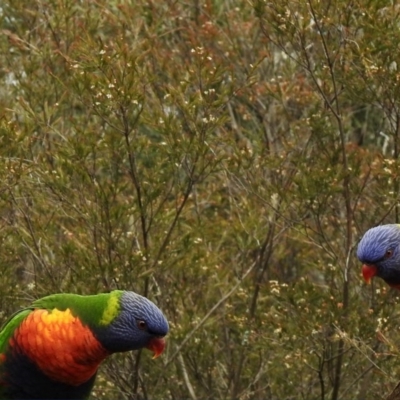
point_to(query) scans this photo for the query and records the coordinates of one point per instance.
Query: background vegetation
(222, 158)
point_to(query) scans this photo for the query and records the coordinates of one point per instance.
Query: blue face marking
(380, 247)
(139, 308)
(376, 242)
(138, 322)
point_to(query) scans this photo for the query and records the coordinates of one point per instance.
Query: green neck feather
(97, 310)
(8, 328)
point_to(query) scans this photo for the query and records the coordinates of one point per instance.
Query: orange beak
(369, 271)
(157, 346)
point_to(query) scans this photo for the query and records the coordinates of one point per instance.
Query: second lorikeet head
(379, 251)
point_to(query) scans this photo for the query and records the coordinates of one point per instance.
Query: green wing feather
(10, 325)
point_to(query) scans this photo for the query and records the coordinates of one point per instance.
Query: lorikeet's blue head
(379, 251)
(132, 323)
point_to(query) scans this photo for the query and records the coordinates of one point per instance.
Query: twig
(186, 377)
(205, 318)
(395, 395)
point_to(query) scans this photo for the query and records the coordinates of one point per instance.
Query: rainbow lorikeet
(52, 349)
(379, 251)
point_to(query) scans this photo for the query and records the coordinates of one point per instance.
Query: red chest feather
(60, 345)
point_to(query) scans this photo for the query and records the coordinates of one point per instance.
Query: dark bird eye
(141, 324)
(388, 254)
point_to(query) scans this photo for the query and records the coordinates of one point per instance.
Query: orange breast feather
(60, 345)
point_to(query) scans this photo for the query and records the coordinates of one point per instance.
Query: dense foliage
(222, 158)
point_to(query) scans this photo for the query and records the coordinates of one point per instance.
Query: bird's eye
(388, 254)
(141, 325)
